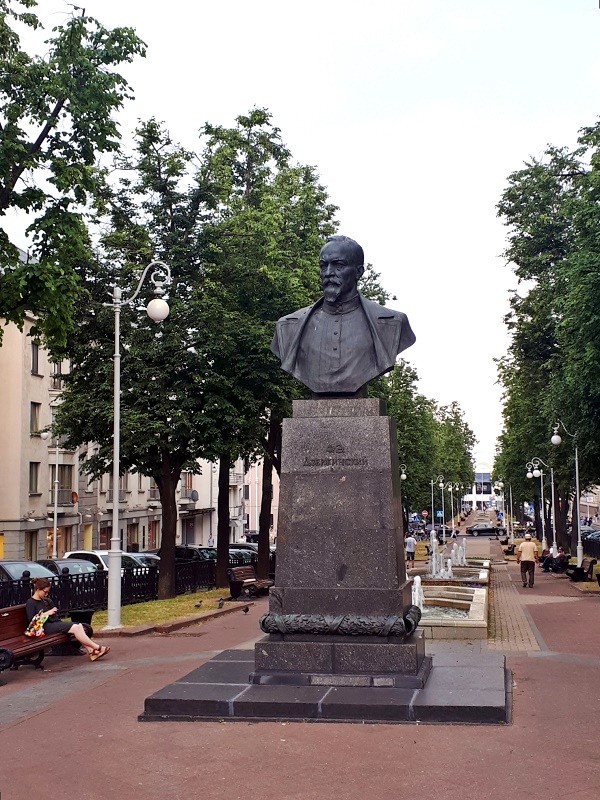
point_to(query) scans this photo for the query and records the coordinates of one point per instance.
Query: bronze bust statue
(343, 341)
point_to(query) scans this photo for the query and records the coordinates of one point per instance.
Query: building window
(56, 380)
(34, 418)
(140, 482)
(34, 473)
(65, 483)
(186, 485)
(31, 545)
(246, 491)
(35, 359)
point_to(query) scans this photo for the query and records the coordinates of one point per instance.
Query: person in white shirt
(410, 543)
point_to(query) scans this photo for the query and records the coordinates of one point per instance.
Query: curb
(169, 627)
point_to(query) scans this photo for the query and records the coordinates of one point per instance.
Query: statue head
(341, 262)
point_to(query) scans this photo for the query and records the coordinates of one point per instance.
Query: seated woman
(40, 602)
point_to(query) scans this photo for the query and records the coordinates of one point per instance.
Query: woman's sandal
(99, 653)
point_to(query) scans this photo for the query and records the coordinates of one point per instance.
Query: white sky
(414, 112)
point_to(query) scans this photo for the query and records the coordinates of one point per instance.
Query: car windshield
(76, 567)
(16, 569)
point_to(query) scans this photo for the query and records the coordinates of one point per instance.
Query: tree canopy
(552, 369)
(57, 115)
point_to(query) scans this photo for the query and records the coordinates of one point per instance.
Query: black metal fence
(591, 548)
(89, 592)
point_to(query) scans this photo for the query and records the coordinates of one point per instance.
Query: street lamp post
(511, 532)
(556, 440)
(450, 486)
(158, 310)
(534, 471)
(534, 465)
(440, 483)
(46, 435)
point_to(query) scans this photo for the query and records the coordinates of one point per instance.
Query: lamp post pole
(157, 310)
(534, 471)
(440, 483)
(556, 440)
(55, 514)
(451, 487)
(432, 508)
(46, 435)
(537, 472)
(510, 516)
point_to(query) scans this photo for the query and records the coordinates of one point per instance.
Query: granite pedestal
(342, 643)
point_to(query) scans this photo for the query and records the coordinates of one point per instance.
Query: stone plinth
(340, 553)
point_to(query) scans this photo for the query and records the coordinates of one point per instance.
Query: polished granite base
(461, 688)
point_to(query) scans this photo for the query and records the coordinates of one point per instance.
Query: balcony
(235, 478)
(63, 498)
(153, 493)
(56, 381)
(235, 511)
(186, 493)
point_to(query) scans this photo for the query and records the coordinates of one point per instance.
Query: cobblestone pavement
(509, 628)
(83, 716)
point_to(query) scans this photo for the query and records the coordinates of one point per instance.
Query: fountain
(448, 592)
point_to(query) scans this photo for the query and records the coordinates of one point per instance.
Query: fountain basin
(472, 600)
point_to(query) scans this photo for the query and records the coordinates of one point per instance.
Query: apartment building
(48, 503)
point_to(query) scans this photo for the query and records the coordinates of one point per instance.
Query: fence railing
(591, 548)
(89, 592)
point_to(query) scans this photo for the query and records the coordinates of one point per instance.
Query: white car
(100, 559)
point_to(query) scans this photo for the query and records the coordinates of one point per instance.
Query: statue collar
(341, 308)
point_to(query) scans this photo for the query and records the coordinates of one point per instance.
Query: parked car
(15, 570)
(100, 559)
(191, 552)
(146, 559)
(74, 566)
(250, 546)
(483, 528)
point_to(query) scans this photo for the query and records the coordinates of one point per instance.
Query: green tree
(204, 385)
(551, 369)
(56, 117)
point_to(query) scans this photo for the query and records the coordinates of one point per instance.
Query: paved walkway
(80, 721)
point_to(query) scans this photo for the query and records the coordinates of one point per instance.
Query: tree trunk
(223, 523)
(264, 520)
(167, 484)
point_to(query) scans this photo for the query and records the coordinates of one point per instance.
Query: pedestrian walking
(410, 543)
(527, 556)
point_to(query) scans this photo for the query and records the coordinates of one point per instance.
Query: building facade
(47, 502)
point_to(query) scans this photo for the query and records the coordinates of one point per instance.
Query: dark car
(17, 570)
(147, 559)
(250, 546)
(191, 552)
(72, 565)
(483, 528)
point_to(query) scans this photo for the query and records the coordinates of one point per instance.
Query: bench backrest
(13, 622)
(587, 564)
(242, 573)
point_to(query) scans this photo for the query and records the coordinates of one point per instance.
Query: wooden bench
(583, 573)
(243, 581)
(16, 648)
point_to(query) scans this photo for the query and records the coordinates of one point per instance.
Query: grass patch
(161, 611)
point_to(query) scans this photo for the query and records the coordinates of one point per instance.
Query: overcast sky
(414, 112)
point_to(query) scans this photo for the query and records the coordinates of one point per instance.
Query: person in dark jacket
(39, 602)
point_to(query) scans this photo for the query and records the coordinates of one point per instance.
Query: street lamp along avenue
(46, 435)
(534, 471)
(556, 440)
(158, 310)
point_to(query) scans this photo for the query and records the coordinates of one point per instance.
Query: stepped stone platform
(461, 688)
